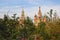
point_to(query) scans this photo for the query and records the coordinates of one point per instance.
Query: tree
(50, 14)
(27, 29)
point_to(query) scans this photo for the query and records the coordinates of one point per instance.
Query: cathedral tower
(22, 18)
(39, 16)
(35, 20)
(45, 18)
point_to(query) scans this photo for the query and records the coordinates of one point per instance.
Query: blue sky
(30, 6)
(28, 3)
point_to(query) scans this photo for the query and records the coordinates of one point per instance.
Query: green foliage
(50, 14)
(11, 30)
